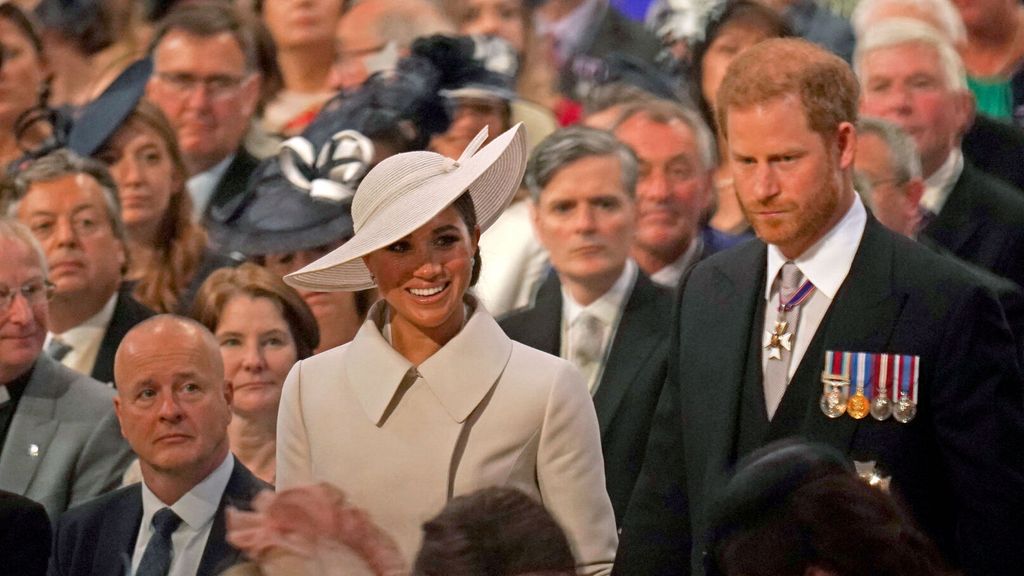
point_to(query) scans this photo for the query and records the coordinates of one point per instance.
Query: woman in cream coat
(431, 400)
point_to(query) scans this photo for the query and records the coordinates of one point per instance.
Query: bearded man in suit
(834, 329)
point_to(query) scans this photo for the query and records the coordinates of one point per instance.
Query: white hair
(939, 12)
(900, 31)
(903, 156)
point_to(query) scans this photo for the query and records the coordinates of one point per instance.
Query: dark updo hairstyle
(467, 211)
(747, 12)
(497, 532)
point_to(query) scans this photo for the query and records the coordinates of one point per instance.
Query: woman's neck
(305, 71)
(417, 344)
(142, 253)
(253, 441)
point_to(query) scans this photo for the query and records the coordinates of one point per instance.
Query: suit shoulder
(518, 322)
(93, 512)
(1000, 199)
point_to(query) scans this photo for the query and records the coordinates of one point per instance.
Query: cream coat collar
(460, 374)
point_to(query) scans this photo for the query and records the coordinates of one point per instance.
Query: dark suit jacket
(99, 537)
(24, 536)
(958, 465)
(983, 223)
(633, 376)
(1010, 295)
(231, 187)
(127, 313)
(996, 148)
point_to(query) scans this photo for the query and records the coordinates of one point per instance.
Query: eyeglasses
(34, 291)
(217, 87)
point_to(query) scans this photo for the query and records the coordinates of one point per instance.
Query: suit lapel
(861, 319)
(240, 490)
(116, 540)
(635, 340)
(32, 428)
(955, 224)
(545, 318)
(738, 284)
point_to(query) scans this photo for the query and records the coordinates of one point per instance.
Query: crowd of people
(511, 287)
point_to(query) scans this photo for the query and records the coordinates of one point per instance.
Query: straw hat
(406, 191)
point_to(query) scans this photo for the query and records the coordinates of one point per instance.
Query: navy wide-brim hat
(275, 216)
(104, 115)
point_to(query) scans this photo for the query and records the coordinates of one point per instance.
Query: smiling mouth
(426, 292)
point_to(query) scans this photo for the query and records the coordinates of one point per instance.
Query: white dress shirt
(85, 339)
(608, 309)
(202, 186)
(196, 509)
(826, 264)
(939, 185)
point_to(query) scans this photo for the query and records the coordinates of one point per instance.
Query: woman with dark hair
(263, 327)
(297, 207)
(168, 252)
(495, 531)
(736, 27)
(24, 82)
(431, 399)
(798, 509)
(512, 21)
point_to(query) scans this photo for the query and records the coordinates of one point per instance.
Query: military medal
(881, 407)
(858, 406)
(836, 383)
(906, 389)
(780, 337)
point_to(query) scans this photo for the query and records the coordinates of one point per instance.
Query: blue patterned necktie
(156, 560)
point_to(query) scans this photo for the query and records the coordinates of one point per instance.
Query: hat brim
(491, 176)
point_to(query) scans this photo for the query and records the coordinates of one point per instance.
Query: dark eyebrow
(445, 228)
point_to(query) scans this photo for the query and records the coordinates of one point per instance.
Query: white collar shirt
(939, 185)
(202, 186)
(197, 509)
(86, 338)
(670, 275)
(607, 309)
(826, 264)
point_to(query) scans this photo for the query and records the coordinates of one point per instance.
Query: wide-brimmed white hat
(406, 191)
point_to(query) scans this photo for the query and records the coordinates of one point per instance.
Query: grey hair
(568, 145)
(15, 231)
(943, 12)
(900, 31)
(903, 155)
(661, 111)
(64, 162)
(605, 96)
(209, 19)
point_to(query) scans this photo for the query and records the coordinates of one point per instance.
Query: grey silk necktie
(58, 349)
(585, 345)
(156, 560)
(776, 372)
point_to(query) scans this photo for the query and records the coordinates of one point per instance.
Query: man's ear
(117, 412)
(251, 90)
(915, 190)
(846, 143)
